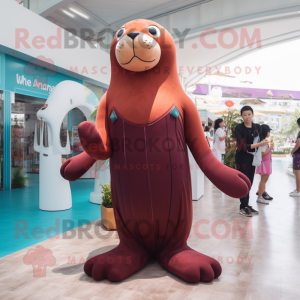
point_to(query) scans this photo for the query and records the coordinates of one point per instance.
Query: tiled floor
(20, 208)
(34, 179)
(263, 266)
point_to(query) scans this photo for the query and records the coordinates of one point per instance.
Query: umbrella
(252, 101)
(218, 73)
(278, 112)
(285, 96)
(192, 87)
(259, 115)
(210, 100)
(225, 112)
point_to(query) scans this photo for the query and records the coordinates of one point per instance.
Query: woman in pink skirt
(265, 169)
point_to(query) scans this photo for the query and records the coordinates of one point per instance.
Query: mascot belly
(144, 123)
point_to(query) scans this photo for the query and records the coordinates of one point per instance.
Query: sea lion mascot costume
(144, 123)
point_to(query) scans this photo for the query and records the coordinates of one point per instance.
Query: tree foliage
(292, 127)
(18, 179)
(231, 120)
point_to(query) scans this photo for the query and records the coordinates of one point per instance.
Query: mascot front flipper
(144, 123)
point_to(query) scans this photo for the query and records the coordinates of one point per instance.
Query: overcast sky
(280, 67)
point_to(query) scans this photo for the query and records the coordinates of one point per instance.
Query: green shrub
(229, 158)
(18, 179)
(278, 152)
(106, 198)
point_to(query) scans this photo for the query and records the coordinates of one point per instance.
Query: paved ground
(264, 264)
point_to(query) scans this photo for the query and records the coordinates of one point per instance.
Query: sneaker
(293, 191)
(245, 212)
(253, 211)
(263, 201)
(295, 194)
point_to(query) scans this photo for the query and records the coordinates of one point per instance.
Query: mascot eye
(154, 31)
(44, 107)
(120, 33)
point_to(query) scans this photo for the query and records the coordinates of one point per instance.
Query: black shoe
(253, 211)
(245, 212)
(265, 195)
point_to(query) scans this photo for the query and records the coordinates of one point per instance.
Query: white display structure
(54, 190)
(197, 177)
(103, 177)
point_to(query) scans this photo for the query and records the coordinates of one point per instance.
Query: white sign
(22, 80)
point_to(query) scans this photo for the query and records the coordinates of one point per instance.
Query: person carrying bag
(247, 157)
(257, 155)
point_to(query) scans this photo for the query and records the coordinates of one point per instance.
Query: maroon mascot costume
(144, 123)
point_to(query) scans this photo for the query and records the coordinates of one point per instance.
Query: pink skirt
(264, 168)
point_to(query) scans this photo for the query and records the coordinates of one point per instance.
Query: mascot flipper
(145, 122)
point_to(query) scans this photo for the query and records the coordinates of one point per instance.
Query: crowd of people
(253, 155)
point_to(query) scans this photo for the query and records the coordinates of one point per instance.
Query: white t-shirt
(264, 148)
(219, 145)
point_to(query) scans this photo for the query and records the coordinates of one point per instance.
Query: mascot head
(138, 50)
(140, 47)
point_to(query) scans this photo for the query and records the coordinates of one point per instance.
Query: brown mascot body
(144, 123)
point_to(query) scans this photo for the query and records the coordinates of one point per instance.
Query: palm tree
(293, 125)
(94, 114)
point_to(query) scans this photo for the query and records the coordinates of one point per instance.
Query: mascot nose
(133, 34)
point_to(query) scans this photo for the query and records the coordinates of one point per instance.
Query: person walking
(296, 164)
(207, 135)
(265, 169)
(245, 134)
(219, 139)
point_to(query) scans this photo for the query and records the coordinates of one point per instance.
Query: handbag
(257, 155)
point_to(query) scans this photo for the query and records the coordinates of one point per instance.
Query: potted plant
(102, 176)
(18, 179)
(107, 211)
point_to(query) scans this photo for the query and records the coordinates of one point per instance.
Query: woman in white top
(207, 135)
(219, 142)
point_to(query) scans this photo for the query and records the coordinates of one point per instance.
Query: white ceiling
(276, 20)
(113, 13)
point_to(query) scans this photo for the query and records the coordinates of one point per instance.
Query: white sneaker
(295, 194)
(293, 191)
(262, 200)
